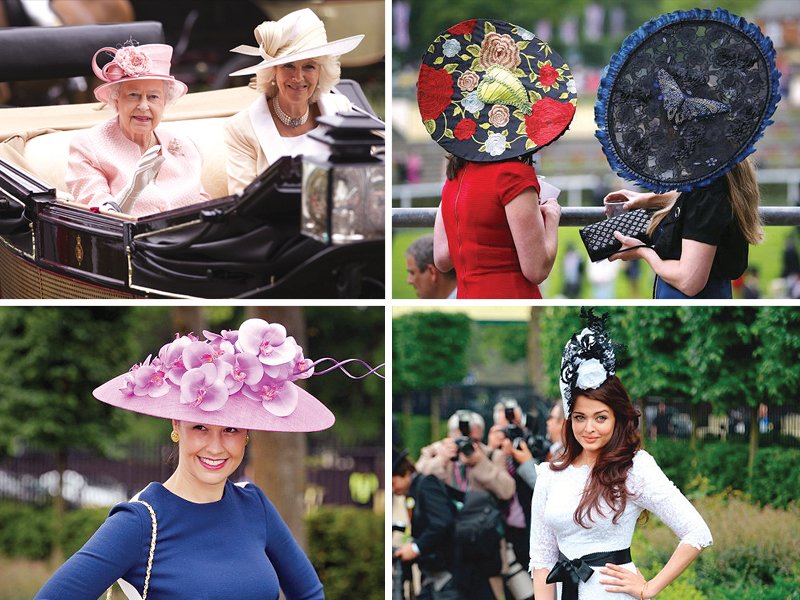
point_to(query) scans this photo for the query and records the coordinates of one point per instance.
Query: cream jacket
(253, 142)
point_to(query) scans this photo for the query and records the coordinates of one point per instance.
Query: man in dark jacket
(432, 516)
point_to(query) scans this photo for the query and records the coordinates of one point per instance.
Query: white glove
(146, 171)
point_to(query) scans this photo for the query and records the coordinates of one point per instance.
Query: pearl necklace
(293, 122)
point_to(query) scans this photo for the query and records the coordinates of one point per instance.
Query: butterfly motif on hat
(680, 106)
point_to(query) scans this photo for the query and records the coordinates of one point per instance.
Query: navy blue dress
(237, 547)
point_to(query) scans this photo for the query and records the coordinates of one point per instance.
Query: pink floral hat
(243, 378)
(490, 90)
(148, 61)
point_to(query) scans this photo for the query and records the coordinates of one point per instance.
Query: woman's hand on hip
(620, 580)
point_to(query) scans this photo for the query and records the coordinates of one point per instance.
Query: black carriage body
(246, 246)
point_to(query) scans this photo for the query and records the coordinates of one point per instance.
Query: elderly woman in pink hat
(198, 535)
(129, 163)
(296, 79)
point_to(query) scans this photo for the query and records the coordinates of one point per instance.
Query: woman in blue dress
(198, 535)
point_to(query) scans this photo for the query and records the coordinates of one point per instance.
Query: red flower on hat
(548, 119)
(463, 28)
(548, 75)
(434, 91)
(465, 129)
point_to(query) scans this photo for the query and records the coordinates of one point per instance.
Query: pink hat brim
(239, 411)
(103, 92)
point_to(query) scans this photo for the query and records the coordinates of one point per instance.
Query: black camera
(537, 444)
(464, 441)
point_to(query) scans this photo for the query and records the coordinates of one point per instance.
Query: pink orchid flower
(171, 356)
(277, 397)
(202, 388)
(266, 341)
(240, 369)
(197, 354)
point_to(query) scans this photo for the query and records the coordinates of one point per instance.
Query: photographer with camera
(479, 484)
(462, 461)
(432, 517)
(523, 450)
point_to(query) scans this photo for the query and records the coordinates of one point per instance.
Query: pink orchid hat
(243, 378)
(129, 63)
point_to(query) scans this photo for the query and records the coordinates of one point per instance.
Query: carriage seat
(37, 139)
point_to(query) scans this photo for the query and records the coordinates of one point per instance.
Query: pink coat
(102, 160)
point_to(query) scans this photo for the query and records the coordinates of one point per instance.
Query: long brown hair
(744, 197)
(610, 471)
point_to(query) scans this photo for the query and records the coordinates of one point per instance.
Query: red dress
(478, 235)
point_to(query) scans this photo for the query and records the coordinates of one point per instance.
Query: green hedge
(346, 547)
(26, 531)
(718, 467)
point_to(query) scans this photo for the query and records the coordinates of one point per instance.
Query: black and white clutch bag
(599, 237)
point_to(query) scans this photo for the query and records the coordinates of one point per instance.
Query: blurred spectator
(751, 288)
(464, 463)
(428, 281)
(432, 516)
(661, 425)
(790, 271)
(413, 168)
(602, 275)
(555, 425)
(572, 267)
(764, 425)
(632, 270)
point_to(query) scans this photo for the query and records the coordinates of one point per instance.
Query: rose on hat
(489, 90)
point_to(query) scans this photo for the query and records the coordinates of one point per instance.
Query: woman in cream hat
(198, 535)
(129, 163)
(296, 78)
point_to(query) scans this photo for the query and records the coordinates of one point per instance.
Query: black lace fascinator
(588, 360)
(685, 99)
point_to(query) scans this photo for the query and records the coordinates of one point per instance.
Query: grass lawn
(20, 579)
(766, 257)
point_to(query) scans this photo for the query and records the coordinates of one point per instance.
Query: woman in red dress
(492, 94)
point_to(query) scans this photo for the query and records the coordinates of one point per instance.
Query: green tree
(722, 348)
(52, 359)
(429, 353)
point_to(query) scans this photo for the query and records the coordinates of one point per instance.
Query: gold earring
(247, 439)
(174, 436)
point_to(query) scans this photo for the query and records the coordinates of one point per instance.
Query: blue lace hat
(490, 90)
(685, 99)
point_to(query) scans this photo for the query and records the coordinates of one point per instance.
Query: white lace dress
(557, 494)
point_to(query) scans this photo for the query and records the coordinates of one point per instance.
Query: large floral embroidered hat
(243, 378)
(131, 62)
(685, 99)
(490, 90)
(588, 360)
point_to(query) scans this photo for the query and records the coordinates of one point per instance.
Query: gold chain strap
(150, 555)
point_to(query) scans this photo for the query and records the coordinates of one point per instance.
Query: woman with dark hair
(492, 94)
(587, 502)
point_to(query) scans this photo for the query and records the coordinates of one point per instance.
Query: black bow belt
(571, 572)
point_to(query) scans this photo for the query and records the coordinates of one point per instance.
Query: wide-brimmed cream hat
(297, 36)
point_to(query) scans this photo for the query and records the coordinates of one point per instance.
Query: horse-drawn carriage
(250, 245)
